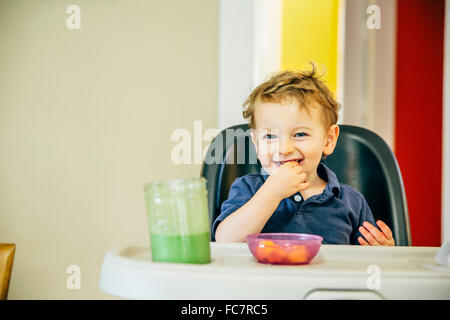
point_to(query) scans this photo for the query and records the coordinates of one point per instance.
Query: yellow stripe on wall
(310, 33)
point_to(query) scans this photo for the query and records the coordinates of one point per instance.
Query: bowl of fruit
(284, 248)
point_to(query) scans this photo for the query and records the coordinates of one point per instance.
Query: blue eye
(300, 134)
(269, 136)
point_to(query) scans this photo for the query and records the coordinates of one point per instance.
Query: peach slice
(298, 254)
(264, 249)
(277, 256)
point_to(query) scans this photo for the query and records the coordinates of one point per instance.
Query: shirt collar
(328, 175)
(323, 172)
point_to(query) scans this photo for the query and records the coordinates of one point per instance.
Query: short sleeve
(364, 215)
(240, 193)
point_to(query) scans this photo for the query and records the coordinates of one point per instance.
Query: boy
(293, 118)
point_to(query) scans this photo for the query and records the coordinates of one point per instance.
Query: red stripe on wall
(418, 132)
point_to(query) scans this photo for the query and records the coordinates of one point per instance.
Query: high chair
(361, 159)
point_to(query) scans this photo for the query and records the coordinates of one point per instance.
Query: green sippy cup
(177, 212)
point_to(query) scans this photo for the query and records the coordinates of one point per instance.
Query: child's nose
(285, 146)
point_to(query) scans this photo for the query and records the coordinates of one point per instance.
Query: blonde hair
(305, 87)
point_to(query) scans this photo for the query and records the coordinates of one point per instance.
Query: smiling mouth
(280, 163)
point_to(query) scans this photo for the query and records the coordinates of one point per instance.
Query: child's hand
(375, 237)
(288, 179)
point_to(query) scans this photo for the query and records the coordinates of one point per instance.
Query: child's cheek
(265, 155)
(268, 148)
(266, 163)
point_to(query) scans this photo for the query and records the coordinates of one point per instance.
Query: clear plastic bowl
(284, 248)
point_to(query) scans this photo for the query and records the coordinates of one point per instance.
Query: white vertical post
(268, 15)
(354, 90)
(369, 69)
(236, 59)
(446, 132)
(249, 50)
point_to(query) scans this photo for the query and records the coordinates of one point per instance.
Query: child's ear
(331, 139)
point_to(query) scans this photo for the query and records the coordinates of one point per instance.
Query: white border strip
(446, 131)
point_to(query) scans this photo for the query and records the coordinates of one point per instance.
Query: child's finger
(377, 234)
(291, 164)
(385, 229)
(362, 241)
(369, 238)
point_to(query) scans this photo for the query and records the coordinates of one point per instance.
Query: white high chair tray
(337, 272)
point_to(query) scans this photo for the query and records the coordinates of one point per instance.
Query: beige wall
(85, 121)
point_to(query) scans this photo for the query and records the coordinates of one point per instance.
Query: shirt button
(297, 198)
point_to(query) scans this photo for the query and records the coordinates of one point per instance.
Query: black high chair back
(361, 159)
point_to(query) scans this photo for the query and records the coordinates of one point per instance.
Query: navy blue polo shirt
(335, 214)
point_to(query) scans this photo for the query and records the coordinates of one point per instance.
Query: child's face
(285, 132)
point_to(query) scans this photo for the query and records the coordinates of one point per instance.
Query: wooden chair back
(7, 251)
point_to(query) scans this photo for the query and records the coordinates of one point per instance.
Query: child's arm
(375, 237)
(252, 216)
(248, 219)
